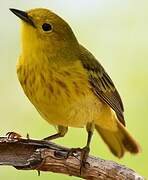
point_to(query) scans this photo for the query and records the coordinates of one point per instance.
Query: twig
(28, 154)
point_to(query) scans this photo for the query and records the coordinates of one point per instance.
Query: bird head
(43, 30)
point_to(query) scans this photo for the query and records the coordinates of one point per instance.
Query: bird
(67, 84)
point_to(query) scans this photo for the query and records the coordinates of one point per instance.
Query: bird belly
(61, 97)
(76, 114)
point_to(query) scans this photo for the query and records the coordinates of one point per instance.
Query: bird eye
(46, 27)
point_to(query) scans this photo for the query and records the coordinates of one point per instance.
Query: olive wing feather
(101, 83)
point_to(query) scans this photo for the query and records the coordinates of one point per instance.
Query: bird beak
(22, 15)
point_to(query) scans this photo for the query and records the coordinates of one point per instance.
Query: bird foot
(83, 157)
(83, 160)
(73, 152)
(13, 136)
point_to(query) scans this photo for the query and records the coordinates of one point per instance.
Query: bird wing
(101, 83)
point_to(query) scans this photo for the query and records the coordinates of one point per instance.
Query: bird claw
(83, 157)
(27, 136)
(13, 136)
(39, 172)
(72, 152)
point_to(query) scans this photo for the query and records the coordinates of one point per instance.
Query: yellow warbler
(66, 84)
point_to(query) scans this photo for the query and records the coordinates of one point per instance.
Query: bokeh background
(116, 32)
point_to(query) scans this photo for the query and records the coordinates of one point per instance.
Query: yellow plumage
(58, 93)
(66, 84)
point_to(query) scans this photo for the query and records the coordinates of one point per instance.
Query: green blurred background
(116, 32)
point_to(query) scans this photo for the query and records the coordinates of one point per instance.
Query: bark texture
(29, 154)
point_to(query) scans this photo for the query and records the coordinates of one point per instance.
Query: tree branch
(28, 154)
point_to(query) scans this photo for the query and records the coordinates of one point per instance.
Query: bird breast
(62, 95)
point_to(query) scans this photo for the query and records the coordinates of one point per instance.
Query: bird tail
(118, 141)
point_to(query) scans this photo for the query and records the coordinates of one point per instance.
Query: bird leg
(85, 150)
(61, 133)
